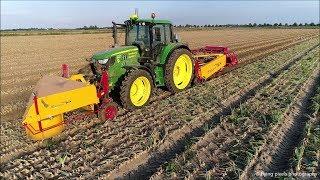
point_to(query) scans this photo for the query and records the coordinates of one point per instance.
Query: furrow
(106, 125)
(287, 135)
(141, 167)
(228, 164)
(73, 131)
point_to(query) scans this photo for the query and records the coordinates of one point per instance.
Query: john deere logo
(124, 57)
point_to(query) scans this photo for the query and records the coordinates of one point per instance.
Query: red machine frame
(212, 50)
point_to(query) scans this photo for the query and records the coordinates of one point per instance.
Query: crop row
(12, 105)
(236, 36)
(262, 41)
(30, 75)
(279, 145)
(22, 53)
(14, 109)
(142, 169)
(13, 145)
(307, 155)
(55, 60)
(227, 149)
(134, 132)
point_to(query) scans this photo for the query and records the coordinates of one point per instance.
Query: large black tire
(126, 86)
(170, 67)
(86, 71)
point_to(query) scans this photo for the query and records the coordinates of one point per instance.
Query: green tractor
(151, 57)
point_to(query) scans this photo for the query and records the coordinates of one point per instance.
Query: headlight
(103, 61)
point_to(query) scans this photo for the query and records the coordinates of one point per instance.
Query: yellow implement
(211, 59)
(52, 97)
(214, 64)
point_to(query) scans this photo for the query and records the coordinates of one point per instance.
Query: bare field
(126, 147)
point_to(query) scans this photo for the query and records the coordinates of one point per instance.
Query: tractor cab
(149, 35)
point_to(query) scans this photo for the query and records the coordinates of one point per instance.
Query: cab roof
(156, 21)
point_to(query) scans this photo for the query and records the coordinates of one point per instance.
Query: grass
(267, 108)
(315, 107)
(242, 111)
(298, 155)
(276, 116)
(62, 159)
(206, 127)
(171, 167)
(189, 154)
(240, 114)
(307, 155)
(50, 144)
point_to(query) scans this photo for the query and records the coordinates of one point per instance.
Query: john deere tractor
(150, 57)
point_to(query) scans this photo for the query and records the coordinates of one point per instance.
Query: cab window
(158, 34)
(167, 30)
(138, 33)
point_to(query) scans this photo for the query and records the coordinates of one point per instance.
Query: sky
(73, 14)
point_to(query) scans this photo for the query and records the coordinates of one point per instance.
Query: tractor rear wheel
(136, 89)
(179, 70)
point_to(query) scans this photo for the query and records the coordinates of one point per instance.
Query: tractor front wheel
(87, 72)
(136, 89)
(179, 70)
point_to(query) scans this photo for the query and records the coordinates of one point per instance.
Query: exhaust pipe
(114, 34)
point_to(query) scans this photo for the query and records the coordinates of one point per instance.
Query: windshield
(138, 33)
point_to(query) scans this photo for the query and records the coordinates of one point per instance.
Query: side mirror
(176, 37)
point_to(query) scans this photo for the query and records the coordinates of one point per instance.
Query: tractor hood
(113, 52)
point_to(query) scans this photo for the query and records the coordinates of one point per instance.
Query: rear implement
(53, 96)
(211, 59)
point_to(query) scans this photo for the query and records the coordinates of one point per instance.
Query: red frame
(232, 58)
(65, 71)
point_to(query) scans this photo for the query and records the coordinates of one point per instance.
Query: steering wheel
(156, 46)
(139, 44)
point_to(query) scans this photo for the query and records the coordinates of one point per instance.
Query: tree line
(93, 27)
(225, 25)
(249, 25)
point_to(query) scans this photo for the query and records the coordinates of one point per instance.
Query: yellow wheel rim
(182, 71)
(140, 91)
